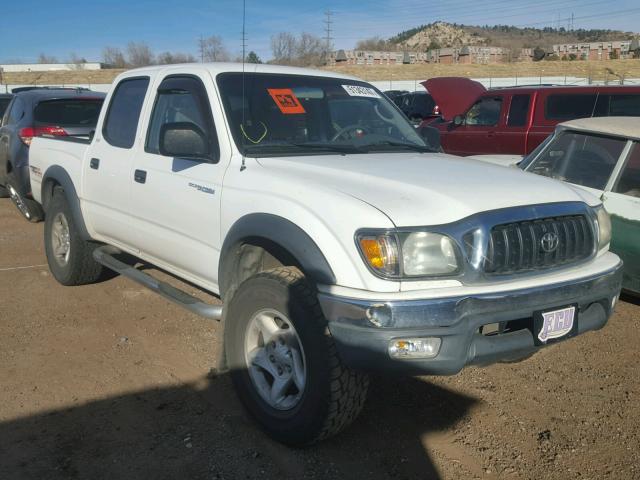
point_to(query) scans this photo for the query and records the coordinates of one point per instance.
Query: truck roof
(226, 67)
(627, 127)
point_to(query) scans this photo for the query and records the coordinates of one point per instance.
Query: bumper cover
(457, 321)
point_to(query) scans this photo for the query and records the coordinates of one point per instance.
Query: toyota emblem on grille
(550, 242)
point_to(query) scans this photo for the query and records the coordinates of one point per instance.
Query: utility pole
(201, 46)
(328, 39)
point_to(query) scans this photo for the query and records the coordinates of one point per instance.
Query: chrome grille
(517, 247)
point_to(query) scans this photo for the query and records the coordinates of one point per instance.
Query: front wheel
(284, 363)
(29, 208)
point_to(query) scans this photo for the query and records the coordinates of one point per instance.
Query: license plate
(555, 324)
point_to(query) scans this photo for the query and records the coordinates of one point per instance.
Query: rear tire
(70, 258)
(29, 208)
(322, 396)
(3, 192)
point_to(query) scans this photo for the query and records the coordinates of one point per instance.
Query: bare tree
(139, 54)
(212, 49)
(43, 58)
(168, 58)
(304, 50)
(113, 57)
(75, 62)
(283, 47)
(375, 44)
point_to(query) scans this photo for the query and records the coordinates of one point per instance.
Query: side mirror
(183, 140)
(431, 136)
(458, 120)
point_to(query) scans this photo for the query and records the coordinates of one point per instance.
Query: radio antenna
(244, 57)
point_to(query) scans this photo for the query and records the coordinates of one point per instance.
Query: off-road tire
(31, 210)
(333, 395)
(80, 268)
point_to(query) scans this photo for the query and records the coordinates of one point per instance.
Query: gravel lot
(110, 381)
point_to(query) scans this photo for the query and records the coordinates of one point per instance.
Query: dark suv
(35, 112)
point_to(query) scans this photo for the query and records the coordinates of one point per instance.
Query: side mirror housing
(183, 140)
(431, 136)
(458, 120)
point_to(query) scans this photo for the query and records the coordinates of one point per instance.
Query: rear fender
(58, 176)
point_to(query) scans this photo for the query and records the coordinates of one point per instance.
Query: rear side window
(518, 111)
(567, 107)
(15, 112)
(618, 106)
(124, 112)
(182, 99)
(4, 103)
(69, 112)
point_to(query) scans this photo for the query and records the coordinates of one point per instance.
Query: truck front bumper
(363, 329)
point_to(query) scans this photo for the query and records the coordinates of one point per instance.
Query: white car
(601, 155)
(338, 239)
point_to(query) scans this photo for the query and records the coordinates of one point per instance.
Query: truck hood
(453, 95)
(423, 189)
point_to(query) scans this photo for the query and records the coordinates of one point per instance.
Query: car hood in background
(423, 189)
(453, 95)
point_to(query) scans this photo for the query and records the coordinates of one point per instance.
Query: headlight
(415, 254)
(604, 227)
(425, 253)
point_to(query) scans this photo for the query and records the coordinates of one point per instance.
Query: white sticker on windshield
(358, 91)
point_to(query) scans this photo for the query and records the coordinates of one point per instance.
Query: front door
(477, 135)
(623, 203)
(176, 201)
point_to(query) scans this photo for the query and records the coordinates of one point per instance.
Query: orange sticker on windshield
(286, 100)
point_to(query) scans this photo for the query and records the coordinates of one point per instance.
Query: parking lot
(111, 381)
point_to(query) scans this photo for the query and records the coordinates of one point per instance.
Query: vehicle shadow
(199, 431)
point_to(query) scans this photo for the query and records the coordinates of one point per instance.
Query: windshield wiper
(314, 147)
(390, 143)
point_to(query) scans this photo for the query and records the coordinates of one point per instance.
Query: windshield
(304, 115)
(579, 158)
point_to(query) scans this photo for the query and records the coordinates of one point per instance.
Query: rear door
(176, 201)
(107, 170)
(622, 201)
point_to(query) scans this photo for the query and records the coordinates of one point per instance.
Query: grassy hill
(442, 34)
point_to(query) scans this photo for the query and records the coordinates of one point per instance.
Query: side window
(518, 110)
(629, 181)
(182, 99)
(567, 107)
(121, 122)
(485, 112)
(618, 106)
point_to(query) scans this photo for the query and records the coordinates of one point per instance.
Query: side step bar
(105, 256)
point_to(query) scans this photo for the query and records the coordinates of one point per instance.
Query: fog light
(414, 347)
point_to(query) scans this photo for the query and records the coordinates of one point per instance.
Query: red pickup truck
(516, 120)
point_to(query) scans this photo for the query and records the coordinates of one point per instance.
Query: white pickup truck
(338, 238)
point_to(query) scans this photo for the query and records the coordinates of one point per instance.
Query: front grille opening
(500, 328)
(539, 244)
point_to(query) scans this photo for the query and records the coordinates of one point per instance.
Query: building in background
(50, 67)
(594, 50)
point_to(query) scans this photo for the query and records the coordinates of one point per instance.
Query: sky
(30, 27)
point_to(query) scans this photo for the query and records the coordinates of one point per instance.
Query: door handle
(490, 134)
(140, 176)
(94, 163)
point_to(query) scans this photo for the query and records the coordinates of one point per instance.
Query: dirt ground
(109, 381)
